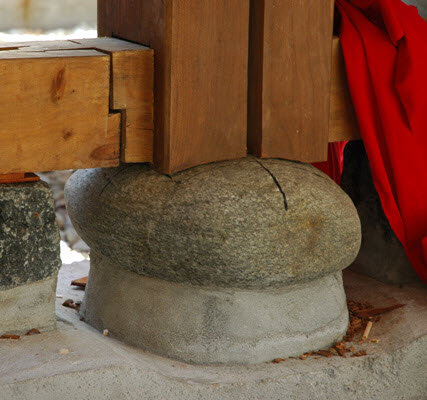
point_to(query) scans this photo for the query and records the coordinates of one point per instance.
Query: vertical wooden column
(201, 66)
(289, 78)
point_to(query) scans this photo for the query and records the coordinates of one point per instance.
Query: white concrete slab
(77, 362)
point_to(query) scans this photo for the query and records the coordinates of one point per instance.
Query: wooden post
(289, 78)
(342, 118)
(201, 58)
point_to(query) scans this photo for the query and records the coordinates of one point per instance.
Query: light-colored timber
(62, 103)
(53, 109)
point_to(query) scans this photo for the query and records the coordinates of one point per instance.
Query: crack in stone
(285, 201)
(110, 180)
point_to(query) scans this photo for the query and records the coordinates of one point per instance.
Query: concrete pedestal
(234, 262)
(29, 257)
(77, 362)
(203, 325)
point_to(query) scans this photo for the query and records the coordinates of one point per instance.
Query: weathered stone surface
(29, 235)
(420, 4)
(243, 224)
(381, 255)
(99, 368)
(214, 326)
(27, 307)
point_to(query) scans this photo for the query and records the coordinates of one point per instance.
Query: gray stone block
(29, 235)
(244, 224)
(381, 255)
(29, 257)
(99, 367)
(233, 262)
(421, 6)
(214, 326)
(30, 306)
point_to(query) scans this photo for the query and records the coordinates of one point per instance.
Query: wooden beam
(18, 178)
(57, 103)
(201, 57)
(53, 110)
(290, 76)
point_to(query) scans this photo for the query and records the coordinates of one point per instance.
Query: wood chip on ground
(13, 337)
(70, 304)
(82, 282)
(361, 316)
(372, 312)
(360, 353)
(323, 353)
(33, 332)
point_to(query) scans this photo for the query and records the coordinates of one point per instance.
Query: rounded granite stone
(249, 224)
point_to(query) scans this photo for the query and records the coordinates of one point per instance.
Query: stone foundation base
(201, 325)
(237, 262)
(27, 307)
(29, 257)
(100, 367)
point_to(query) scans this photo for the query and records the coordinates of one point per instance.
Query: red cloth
(335, 163)
(385, 50)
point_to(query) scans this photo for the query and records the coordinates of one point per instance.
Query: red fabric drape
(385, 51)
(335, 163)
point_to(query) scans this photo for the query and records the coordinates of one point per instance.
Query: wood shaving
(13, 337)
(33, 332)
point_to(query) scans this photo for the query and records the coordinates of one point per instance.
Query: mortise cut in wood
(55, 105)
(132, 69)
(201, 56)
(289, 78)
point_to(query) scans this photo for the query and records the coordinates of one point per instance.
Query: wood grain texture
(342, 118)
(132, 80)
(40, 45)
(56, 99)
(54, 109)
(200, 50)
(19, 178)
(290, 76)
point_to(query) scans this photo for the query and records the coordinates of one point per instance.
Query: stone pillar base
(29, 257)
(236, 262)
(28, 307)
(203, 325)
